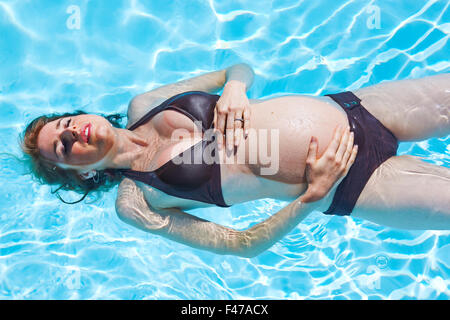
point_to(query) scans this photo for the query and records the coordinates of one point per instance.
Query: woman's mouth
(86, 133)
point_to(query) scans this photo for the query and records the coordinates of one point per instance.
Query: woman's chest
(168, 158)
(169, 134)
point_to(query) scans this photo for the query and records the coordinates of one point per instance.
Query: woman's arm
(179, 226)
(242, 73)
(209, 82)
(199, 233)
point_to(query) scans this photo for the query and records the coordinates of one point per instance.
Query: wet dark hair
(47, 172)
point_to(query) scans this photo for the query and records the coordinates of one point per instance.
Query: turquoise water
(52, 62)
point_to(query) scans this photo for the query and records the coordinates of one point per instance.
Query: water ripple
(52, 251)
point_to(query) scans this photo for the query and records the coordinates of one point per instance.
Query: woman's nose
(71, 132)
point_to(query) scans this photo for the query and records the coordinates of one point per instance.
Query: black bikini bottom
(375, 143)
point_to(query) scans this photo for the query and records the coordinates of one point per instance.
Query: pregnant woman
(313, 163)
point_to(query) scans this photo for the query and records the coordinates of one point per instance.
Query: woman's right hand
(232, 105)
(323, 173)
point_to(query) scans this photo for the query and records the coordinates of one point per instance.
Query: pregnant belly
(285, 126)
(273, 157)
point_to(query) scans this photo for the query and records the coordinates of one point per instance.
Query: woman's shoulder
(130, 196)
(141, 104)
(132, 208)
(125, 194)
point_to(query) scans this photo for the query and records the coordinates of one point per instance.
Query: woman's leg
(407, 193)
(413, 110)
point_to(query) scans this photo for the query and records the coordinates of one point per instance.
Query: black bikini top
(199, 178)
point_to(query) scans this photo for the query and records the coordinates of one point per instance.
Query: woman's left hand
(231, 106)
(326, 172)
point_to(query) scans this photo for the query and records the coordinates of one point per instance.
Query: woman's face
(79, 140)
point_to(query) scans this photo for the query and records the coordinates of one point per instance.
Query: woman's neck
(131, 147)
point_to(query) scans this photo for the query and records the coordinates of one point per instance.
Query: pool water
(96, 55)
